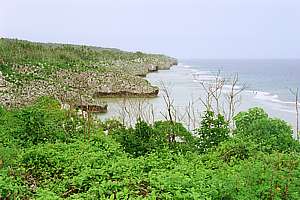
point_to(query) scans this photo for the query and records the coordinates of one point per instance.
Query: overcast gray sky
(181, 28)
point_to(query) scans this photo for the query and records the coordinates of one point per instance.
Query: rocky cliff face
(77, 88)
(74, 75)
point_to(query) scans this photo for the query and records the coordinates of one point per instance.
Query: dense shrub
(213, 130)
(40, 123)
(111, 125)
(145, 138)
(244, 119)
(12, 186)
(267, 133)
(176, 136)
(236, 149)
(145, 162)
(140, 140)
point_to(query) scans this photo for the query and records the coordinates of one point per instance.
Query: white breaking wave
(236, 87)
(265, 96)
(199, 73)
(287, 110)
(271, 97)
(203, 76)
(277, 104)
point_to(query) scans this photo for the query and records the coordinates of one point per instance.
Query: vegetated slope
(72, 73)
(46, 153)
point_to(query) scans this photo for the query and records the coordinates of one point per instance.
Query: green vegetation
(50, 153)
(42, 59)
(45, 154)
(68, 73)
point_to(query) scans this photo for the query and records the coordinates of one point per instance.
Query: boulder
(152, 68)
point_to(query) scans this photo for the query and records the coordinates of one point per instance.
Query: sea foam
(266, 96)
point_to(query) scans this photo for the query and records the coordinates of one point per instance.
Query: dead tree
(168, 103)
(132, 109)
(192, 114)
(296, 94)
(215, 94)
(213, 91)
(233, 96)
(171, 112)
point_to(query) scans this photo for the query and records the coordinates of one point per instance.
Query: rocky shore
(75, 75)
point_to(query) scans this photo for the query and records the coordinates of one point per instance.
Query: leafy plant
(140, 140)
(40, 123)
(184, 140)
(260, 161)
(244, 119)
(267, 133)
(213, 130)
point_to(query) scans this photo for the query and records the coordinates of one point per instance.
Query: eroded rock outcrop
(75, 75)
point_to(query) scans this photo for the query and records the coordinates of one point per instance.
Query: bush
(40, 123)
(176, 136)
(271, 134)
(267, 133)
(68, 169)
(111, 125)
(246, 166)
(213, 130)
(244, 119)
(235, 150)
(12, 186)
(140, 140)
(145, 138)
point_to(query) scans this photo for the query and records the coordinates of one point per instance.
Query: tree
(213, 130)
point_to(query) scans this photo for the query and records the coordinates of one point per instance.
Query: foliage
(43, 59)
(39, 123)
(269, 134)
(184, 141)
(235, 150)
(111, 125)
(11, 186)
(145, 138)
(140, 140)
(42, 159)
(244, 119)
(213, 130)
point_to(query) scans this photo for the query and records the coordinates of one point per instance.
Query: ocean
(272, 76)
(268, 84)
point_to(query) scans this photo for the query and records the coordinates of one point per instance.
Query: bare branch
(296, 94)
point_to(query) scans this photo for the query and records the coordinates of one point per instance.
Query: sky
(209, 29)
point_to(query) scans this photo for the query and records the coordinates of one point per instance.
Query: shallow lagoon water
(268, 83)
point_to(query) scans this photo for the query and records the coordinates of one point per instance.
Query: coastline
(185, 90)
(108, 74)
(75, 75)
